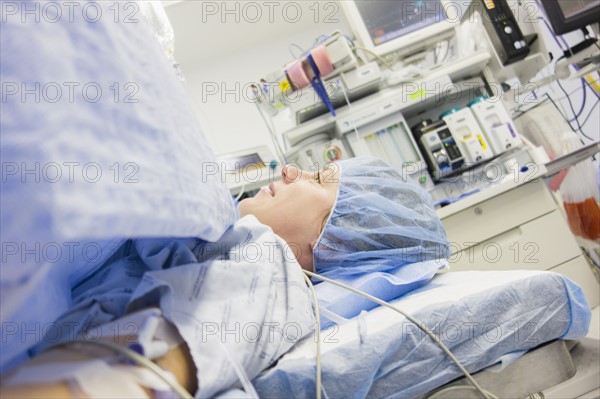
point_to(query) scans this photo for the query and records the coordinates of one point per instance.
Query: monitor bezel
(405, 43)
(562, 24)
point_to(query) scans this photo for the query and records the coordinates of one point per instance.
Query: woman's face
(296, 207)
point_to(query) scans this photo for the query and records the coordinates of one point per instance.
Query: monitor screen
(386, 20)
(239, 163)
(569, 15)
(571, 8)
(398, 26)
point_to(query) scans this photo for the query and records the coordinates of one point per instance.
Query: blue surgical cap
(382, 237)
(381, 220)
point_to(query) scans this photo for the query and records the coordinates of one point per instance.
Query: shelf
(411, 96)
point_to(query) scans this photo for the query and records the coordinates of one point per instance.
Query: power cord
(575, 115)
(590, 113)
(565, 118)
(383, 61)
(350, 106)
(519, 112)
(419, 324)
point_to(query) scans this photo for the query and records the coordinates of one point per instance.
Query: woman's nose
(290, 173)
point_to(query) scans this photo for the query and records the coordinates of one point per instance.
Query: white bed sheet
(484, 318)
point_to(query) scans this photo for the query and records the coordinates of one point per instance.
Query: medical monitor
(387, 26)
(569, 15)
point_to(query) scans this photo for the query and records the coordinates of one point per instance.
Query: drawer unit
(498, 214)
(536, 245)
(518, 229)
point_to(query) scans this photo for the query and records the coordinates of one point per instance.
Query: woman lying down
(215, 315)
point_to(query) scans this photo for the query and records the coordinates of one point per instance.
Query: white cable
(241, 192)
(344, 92)
(241, 373)
(416, 322)
(560, 104)
(349, 106)
(137, 358)
(384, 62)
(318, 332)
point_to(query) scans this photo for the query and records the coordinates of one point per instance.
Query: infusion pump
(390, 140)
(429, 152)
(465, 137)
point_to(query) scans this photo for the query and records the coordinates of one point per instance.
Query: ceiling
(204, 31)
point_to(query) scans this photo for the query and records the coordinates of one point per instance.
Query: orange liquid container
(584, 218)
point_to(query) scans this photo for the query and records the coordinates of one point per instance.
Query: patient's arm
(178, 361)
(216, 304)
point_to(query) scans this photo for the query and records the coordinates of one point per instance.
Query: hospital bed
(377, 354)
(488, 319)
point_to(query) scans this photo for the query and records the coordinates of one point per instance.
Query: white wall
(231, 54)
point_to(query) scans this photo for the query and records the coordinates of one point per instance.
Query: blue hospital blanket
(82, 170)
(480, 316)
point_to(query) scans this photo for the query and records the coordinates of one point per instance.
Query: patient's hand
(177, 361)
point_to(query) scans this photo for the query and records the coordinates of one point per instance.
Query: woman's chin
(245, 207)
